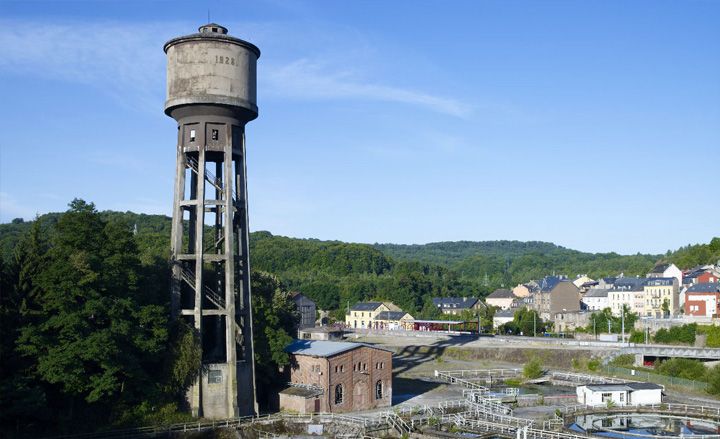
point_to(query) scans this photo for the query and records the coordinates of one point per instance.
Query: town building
(628, 291)
(666, 270)
(583, 282)
(661, 297)
(306, 308)
(703, 300)
(330, 376)
(362, 314)
(570, 321)
(557, 294)
(605, 283)
(701, 275)
(456, 305)
(501, 298)
(596, 299)
(502, 316)
(620, 395)
(321, 333)
(393, 320)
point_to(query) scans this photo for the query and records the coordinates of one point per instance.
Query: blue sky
(591, 124)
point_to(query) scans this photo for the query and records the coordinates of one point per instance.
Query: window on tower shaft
(192, 135)
(215, 134)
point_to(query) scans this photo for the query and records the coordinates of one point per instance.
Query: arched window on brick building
(339, 394)
(378, 390)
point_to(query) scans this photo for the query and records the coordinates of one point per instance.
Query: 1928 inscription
(229, 60)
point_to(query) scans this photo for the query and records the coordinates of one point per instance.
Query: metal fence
(641, 375)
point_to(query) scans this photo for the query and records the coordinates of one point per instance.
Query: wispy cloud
(123, 60)
(307, 79)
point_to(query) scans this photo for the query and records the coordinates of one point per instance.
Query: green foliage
(712, 333)
(713, 379)
(599, 321)
(684, 334)
(525, 321)
(698, 254)
(593, 365)
(274, 320)
(624, 360)
(682, 368)
(533, 369)
(637, 337)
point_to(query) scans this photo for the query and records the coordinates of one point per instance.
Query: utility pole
(595, 326)
(534, 323)
(622, 319)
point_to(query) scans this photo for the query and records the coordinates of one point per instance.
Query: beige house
(500, 298)
(362, 314)
(657, 291)
(393, 320)
(556, 295)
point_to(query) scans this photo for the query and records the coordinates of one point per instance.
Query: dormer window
(192, 135)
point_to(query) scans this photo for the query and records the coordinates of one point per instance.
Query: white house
(666, 270)
(620, 394)
(596, 299)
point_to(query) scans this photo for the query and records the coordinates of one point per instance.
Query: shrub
(637, 337)
(593, 364)
(624, 360)
(682, 368)
(533, 369)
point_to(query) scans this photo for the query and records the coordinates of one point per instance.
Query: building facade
(393, 320)
(703, 300)
(666, 270)
(556, 295)
(456, 305)
(596, 299)
(501, 298)
(362, 314)
(307, 310)
(620, 394)
(662, 297)
(338, 376)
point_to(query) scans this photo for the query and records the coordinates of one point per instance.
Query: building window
(215, 134)
(192, 135)
(338, 394)
(342, 368)
(378, 390)
(336, 369)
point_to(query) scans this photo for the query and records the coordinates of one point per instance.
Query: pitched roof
(597, 292)
(629, 284)
(390, 315)
(455, 302)
(366, 306)
(322, 348)
(624, 386)
(660, 268)
(660, 281)
(709, 287)
(549, 282)
(504, 313)
(501, 294)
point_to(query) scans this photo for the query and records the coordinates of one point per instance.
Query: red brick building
(703, 300)
(331, 376)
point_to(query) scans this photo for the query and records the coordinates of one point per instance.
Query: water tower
(211, 93)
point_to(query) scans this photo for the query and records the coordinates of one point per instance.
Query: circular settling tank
(646, 425)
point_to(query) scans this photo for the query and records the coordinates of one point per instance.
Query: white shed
(620, 394)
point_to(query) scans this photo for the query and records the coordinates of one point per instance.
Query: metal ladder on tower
(189, 278)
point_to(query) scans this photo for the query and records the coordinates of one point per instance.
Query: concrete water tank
(212, 67)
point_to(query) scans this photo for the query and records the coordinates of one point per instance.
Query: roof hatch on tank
(213, 28)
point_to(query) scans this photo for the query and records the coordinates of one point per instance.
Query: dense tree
(274, 321)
